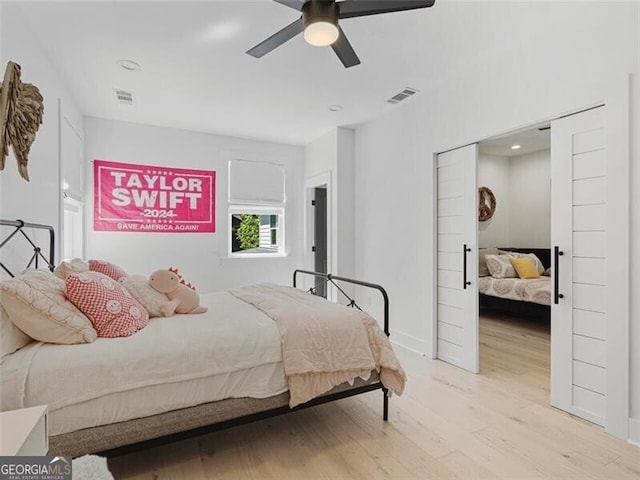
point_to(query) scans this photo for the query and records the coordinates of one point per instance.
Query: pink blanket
(324, 344)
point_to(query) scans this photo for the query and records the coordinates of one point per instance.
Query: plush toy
(182, 297)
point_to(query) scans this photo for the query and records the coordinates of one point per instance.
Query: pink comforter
(324, 344)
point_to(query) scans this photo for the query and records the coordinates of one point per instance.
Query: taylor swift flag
(147, 198)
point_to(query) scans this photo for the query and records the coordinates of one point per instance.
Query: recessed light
(515, 147)
(128, 65)
(335, 108)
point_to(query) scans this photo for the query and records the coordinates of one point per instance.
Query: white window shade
(256, 183)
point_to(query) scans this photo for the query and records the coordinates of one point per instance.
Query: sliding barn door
(457, 258)
(589, 271)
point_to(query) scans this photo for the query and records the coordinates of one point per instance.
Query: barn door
(457, 258)
(588, 222)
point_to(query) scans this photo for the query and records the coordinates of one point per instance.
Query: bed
(529, 297)
(186, 375)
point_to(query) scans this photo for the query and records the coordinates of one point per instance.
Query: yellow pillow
(525, 267)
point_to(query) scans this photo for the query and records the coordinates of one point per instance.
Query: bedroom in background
(589, 205)
(514, 221)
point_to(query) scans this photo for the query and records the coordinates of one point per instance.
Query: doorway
(589, 353)
(319, 247)
(319, 236)
(514, 194)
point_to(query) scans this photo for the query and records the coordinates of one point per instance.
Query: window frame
(238, 209)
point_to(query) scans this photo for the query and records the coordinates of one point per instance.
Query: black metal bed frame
(330, 278)
(19, 227)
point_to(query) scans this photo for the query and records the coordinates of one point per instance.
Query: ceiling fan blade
(295, 4)
(345, 51)
(361, 8)
(277, 39)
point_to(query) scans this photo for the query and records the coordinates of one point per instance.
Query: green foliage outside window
(249, 232)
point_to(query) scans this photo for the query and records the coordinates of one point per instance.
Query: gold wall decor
(486, 203)
(21, 111)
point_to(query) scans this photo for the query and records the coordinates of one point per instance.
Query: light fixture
(335, 108)
(65, 185)
(320, 23)
(129, 65)
(321, 33)
(515, 147)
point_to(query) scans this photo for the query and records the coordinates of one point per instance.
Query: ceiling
(530, 140)
(195, 74)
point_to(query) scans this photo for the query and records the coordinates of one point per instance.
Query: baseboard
(411, 343)
(634, 431)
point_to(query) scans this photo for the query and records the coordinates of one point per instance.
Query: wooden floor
(449, 424)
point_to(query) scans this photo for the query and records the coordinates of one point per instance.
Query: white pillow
(483, 270)
(151, 299)
(532, 256)
(36, 304)
(11, 337)
(500, 266)
(72, 266)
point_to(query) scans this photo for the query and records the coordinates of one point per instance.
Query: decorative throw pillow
(500, 266)
(525, 267)
(112, 309)
(483, 271)
(547, 272)
(36, 304)
(532, 256)
(11, 337)
(72, 266)
(150, 298)
(108, 269)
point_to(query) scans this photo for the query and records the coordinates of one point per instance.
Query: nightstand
(24, 432)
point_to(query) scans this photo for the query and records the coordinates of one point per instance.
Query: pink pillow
(109, 306)
(108, 269)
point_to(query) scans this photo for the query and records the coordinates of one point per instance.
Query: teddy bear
(182, 298)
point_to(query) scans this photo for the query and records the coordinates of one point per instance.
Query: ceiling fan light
(321, 33)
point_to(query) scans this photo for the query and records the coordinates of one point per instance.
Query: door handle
(557, 253)
(465, 283)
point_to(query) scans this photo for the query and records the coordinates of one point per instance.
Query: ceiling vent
(403, 95)
(124, 97)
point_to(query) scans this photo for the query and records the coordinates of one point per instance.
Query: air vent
(403, 95)
(124, 97)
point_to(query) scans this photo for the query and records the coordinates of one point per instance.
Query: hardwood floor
(449, 424)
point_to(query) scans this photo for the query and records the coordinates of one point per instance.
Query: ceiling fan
(319, 21)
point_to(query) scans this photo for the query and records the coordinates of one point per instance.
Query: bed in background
(170, 380)
(531, 297)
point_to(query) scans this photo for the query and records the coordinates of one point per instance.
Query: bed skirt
(140, 433)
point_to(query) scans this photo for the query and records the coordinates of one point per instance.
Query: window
(256, 208)
(256, 231)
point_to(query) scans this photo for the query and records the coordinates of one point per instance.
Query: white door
(457, 257)
(588, 275)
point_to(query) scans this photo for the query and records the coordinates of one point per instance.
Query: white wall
(493, 172)
(345, 201)
(559, 57)
(201, 257)
(521, 186)
(334, 154)
(530, 200)
(39, 200)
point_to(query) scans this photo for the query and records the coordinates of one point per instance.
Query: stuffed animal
(182, 297)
